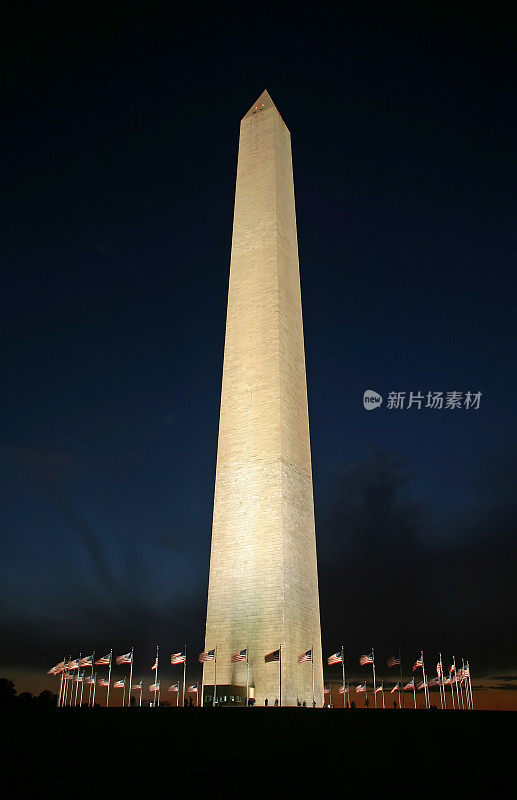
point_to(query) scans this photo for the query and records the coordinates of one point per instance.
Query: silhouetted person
(314, 703)
(394, 704)
(304, 704)
(299, 703)
(276, 701)
(266, 702)
(352, 704)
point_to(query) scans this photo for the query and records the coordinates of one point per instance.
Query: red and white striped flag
(366, 659)
(154, 687)
(393, 661)
(207, 655)
(307, 656)
(126, 658)
(174, 687)
(103, 682)
(395, 688)
(119, 684)
(360, 688)
(104, 661)
(409, 686)
(155, 665)
(418, 664)
(379, 689)
(240, 655)
(192, 688)
(178, 658)
(335, 658)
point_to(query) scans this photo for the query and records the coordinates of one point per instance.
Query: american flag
(174, 687)
(307, 656)
(379, 688)
(360, 688)
(438, 669)
(447, 681)
(335, 658)
(366, 660)
(452, 669)
(466, 671)
(421, 685)
(57, 669)
(73, 664)
(274, 656)
(192, 688)
(103, 682)
(86, 661)
(393, 661)
(326, 690)
(155, 665)
(207, 655)
(346, 688)
(154, 687)
(104, 661)
(79, 677)
(240, 656)
(124, 659)
(410, 685)
(90, 679)
(433, 682)
(418, 663)
(137, 686)
(178, 658)
(395, 688)
(119, 684)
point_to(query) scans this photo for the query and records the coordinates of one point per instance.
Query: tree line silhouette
(10, 697)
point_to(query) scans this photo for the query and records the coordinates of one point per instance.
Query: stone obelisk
(263, 585)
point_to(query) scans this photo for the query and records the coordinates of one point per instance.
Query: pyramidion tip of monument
(262, 104)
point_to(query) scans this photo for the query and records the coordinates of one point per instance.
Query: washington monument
(263, 585)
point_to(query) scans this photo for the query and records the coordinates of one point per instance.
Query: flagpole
(400, 680)
(141, 687)
(130, 677)
(280, 669)
(442, 683)
(426, 689)
(374, 680)
(124, 695)
(91, 681)
(77, 682)
(94, 688)
(214, 702)
(467, 693)
(82, 689)
(312, 662)
(184, 678)
(343, 666)
(109, 679)
(383, 695)
(60, 687)
(247, 677)
(197, 692)
(414, 693)
(156, 678)
(456, 683)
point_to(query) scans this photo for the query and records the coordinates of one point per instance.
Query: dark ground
(185, 752)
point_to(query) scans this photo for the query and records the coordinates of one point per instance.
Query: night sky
(119, 150)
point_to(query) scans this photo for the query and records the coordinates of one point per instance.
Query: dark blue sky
(119, 149)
